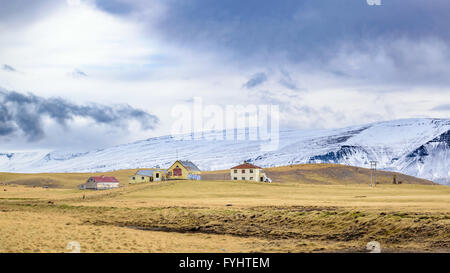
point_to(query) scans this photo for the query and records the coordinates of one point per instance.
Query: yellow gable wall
(184, 172)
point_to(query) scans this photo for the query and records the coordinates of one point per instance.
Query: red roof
(246, 166)
(107, 179)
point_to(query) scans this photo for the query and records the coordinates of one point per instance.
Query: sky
(87, 74)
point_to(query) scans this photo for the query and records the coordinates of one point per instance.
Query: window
(134, 178)
(235, 171)
(235, 178)
(157, 175)
(243, 171)
(142, 178)
(251, 171)
(177, 172)
(251, 178)
(243, 178)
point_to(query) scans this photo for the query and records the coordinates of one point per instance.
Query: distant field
(318, 212)
(324, 174)
(59, 180)
(318, 174)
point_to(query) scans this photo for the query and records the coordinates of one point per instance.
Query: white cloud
(126, 63)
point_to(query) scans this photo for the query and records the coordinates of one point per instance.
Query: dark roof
(246, 166)
(189, 165)
(108, 179)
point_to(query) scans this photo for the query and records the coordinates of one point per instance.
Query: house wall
(138, 179)
(159, 176)
(91, 185)
(247, 175)
(106, 185)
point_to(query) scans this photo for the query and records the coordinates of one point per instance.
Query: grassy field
(311, 208)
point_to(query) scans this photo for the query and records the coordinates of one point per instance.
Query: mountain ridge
(417, 147)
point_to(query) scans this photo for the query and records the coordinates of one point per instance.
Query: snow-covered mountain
(417, 147)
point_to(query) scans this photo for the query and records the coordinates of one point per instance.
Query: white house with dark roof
(249, 172)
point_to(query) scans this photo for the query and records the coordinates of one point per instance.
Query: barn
(184, 170)
(100, 183)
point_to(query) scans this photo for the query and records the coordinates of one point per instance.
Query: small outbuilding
(184, 170)
(249, 172)
(148, 176)
(100, 183)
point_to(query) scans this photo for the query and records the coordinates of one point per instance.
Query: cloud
(25, 113)
(352, 40)
(22, 12)
(149, 53)
(443, 107)
(114, 6)
(298, 28)
(78, 74)
(255, 80)
(8, 68)
(287, 81)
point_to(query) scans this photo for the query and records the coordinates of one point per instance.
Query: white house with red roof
(249, 172)
(100, 183)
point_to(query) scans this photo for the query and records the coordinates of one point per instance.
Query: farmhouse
(148, 176)
(184, 169)
(100, 183)
(248, 171)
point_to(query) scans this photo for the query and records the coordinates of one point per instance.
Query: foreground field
(223, 216)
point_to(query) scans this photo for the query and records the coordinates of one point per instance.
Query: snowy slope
(418, 147)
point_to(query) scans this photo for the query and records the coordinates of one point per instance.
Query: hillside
(416, 147)
(324, 174)
(320, 174)
(59, 180)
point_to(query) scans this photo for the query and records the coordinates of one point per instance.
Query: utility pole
(373, 173)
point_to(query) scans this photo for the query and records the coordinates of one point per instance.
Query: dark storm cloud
(8, 68)
(24, 112)
(115, 6)
(256, 80)
(25, 11)
(398, 42)
(299, 28)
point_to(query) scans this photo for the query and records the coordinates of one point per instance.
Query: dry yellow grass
(250, 194)
(60, 180)
(24, 231)
(212, 215)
